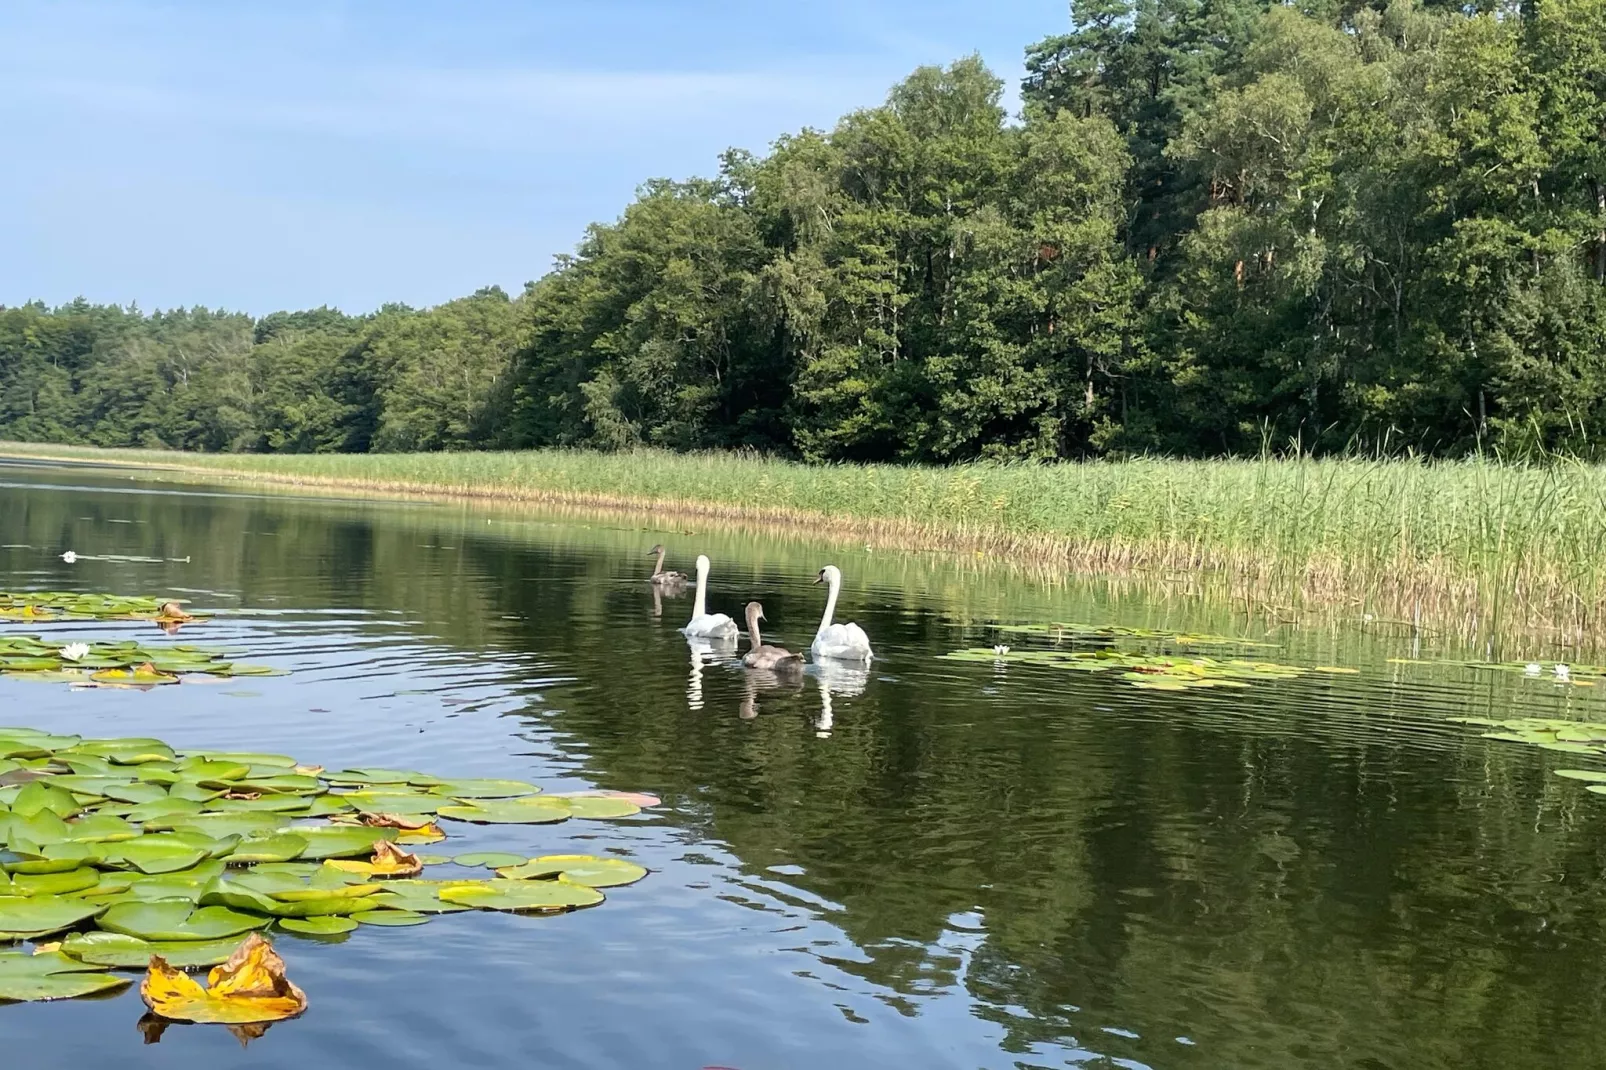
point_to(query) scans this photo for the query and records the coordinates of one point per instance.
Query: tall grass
(1476, 546)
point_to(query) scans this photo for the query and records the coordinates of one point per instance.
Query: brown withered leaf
(388, 861)
(249, 988)
(408, 822)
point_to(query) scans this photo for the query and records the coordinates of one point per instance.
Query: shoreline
(1531, 609)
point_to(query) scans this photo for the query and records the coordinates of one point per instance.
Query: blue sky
(288, 154)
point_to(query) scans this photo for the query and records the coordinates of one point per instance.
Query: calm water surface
(934, 864)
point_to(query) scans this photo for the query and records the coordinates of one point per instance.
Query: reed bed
(1478, 547)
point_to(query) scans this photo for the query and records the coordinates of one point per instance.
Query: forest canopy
(1214, 224)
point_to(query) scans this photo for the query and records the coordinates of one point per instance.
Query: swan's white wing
(846, 642)
(712, 625)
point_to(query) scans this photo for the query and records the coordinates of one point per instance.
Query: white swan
(843, 642)
(703, 623)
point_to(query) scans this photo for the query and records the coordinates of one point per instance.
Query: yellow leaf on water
(249, 987)
(388, 861)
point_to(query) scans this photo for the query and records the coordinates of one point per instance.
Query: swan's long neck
(830, 603)
(752, 629)
(658, 565)
(700, 603)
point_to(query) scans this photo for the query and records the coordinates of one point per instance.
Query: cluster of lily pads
(1150, 671)
(1554, 671)
(124, 662)
(118, 850)
(73, 605)
(1569, 737)
(1110, 633)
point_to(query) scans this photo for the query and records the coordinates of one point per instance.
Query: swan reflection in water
(704, 651)
(659, 593)
(756, 680)
(830, 681)
(834, 678)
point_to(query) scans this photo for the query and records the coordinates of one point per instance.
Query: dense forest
(1214, 224)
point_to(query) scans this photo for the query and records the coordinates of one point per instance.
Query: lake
(936, 863)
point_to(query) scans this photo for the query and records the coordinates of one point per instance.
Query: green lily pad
(47, 884)
(157, 809)
(139, 791)
(395, 918)
(209, 773)
(41, 915)
(100, 828)
(319, 926)
(594, 806)
(484, 789)
(41, 828)
(381, 802)
(327, 806)
(252, 758)
(282, 784)
(518, 896)
(268, 804)
(382, 776)
(38, 795)
(220, 825)
(319, 903)
(341, 841)
(178, 920)
(160, 854)
(503, 812)
(589, 870)
(490, 859)
(419, 896)
(188, 789)
(27, 978)
(1597, 776)
(124, 952)
(272, 847)
(186, 884)
(127, 751)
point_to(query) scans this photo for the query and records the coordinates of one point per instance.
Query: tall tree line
(1213, 224)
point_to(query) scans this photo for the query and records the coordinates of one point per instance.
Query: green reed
(1476, 545)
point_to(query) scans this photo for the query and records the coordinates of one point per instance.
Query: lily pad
(382, 776)
(377, 802)
(484, 789)
(157, 809)
(319, 926)
(490, 859)
(394, 918)
(39, 795)
(47, 884)
(503, 812)
(51, 975)
(589, 870)
(272, 847)
(160, 854)
(341, 841)
(594, 806)
(120, 951)
(41, 915)
(179, 920)
(519, 896)
(1596, 776)
(419, 896)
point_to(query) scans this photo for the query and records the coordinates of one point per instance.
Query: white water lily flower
(1000, 650)
(1533, 669)
(74, 651)
(69, 557)
(1563, 672)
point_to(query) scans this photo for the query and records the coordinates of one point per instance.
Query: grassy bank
(1476, 547)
